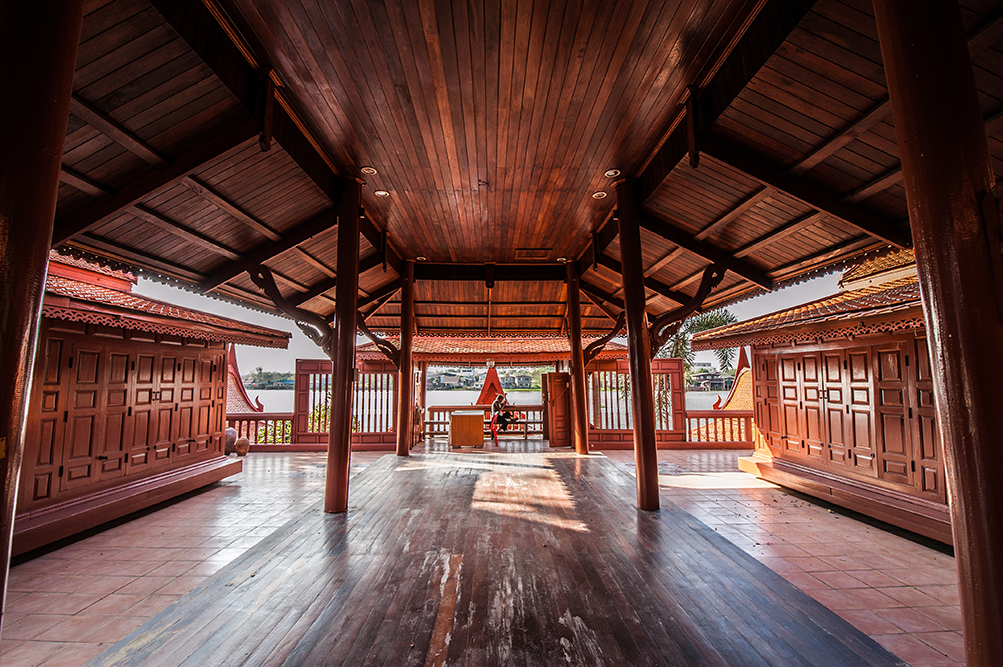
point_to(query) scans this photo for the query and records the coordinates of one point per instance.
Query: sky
(300, 347)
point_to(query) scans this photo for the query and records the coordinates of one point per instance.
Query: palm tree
(678, 346)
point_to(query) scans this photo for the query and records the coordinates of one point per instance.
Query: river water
(281, 400)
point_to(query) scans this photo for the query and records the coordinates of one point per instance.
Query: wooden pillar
(405, 382)
(38, 50)
(343, 348)
(947, 173)
(638, 346)
(580, 417)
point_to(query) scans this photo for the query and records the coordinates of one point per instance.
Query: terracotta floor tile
(948, 615)
(72, 629)
(872, 598)
(106, 584)
(180, 585)
(946, 594)
(873, 578)
(145, 585)
(869, 622)
(911, 597)
(15, 653)
(173, 568)
(153, 605)
(951, 644)
(76, 654)
(912, 577)
(114, 604)
(811, 564)
(805, 581)
(836, 600)
(910, 649)
(910, 620)
(28, 627)
(839, 580)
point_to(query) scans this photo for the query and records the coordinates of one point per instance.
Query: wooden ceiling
(490, 126)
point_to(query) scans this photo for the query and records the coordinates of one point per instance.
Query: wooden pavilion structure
(481, 166)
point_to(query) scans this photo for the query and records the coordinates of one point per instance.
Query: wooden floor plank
(522, 558)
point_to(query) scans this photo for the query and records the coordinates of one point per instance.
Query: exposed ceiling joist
(267, 250)
(753, 165)
(179, 230)
(314, 262)
(736, 212)
(663, 225)
(128, 255)
(328, 284)
(665, 261)
(656, 286)
(782, 232)
(114, 131)
(85, 185)
(480, 272)
(222, 203)
(600, 241)
(200, 155)
(597, 294)
(764, 36)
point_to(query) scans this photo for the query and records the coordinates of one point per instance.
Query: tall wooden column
(405, 382)
(580, 417)
(38, 51)
(642, 398)
(343, 348)
(947, 173)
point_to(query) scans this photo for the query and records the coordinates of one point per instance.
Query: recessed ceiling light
(368, 171)
(420, 258)
(599, 195)
(381, 193)
(612, 173)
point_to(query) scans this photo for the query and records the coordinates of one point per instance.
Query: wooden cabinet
(108, 407)
(865, 411)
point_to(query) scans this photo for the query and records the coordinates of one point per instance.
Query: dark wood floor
(496, 559)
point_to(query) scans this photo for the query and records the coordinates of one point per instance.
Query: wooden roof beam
(132, 256)
(741, 159)
(199, 27)
(736, 212)
(222, 203)
(378, 298)
(314, 262)
(267, 250)
(767, 32)
(978, 40)
(665, 261)
(195, 159)
(179, 230)
(84, 184)
(479, 272)
(662, 225)
(597, 246)
(804, 222)
(328, 284)
(114, 131)
(656, 286)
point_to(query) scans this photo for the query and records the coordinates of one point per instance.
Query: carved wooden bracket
(388, 349)
(593, 350)
(312, 325)
(668, 324)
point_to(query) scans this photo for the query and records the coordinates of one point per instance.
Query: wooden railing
(720, 428)
(263, 428)
(437, 419)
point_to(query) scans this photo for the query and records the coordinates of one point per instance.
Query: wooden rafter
(665, 261)
(792, 227)
(179, 230)
(501, 272)
(83, 184)
(222, 203)
(114, 131)
(263, 252)
(203, 153)
(656, 286)
(128, 255)
(328, 284)
(314, 262)
(665, 226)
(736, 212)
(597, 246)
(755, 166)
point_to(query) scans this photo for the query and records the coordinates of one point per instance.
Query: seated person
(501, 417)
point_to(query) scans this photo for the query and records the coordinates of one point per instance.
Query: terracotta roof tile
(883, 263)
(488, 346)
(90, 266)
(865, 302)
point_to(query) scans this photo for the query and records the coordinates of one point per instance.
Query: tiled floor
(69, 605)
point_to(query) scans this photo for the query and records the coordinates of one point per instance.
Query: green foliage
(678, 346)
(263, 377)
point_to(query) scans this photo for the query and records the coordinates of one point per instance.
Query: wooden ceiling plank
(299, 287)
(746, 204)
(756, 167)
(656, 286)
(784, 231)
(220, 202)
(316, 263)
(668, 259)
(85, 185)
(879, 184)
(328, 284)
(121, 136)
(600, 296)
(671, 230)
(478, 272)
(201, 154)
(128, 255)
(179, 230)
(263, 252)
(771, 27)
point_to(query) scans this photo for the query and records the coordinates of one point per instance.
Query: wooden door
(892, 414)
(164, 424)
(813, 430)
(860, 383)
(558, 408)
(43, 451)
(790, 394)
(767, 396)
(84, 427)
(186, 406)
(144, 412)
(837, 409)
(925, 436)
(115, 415)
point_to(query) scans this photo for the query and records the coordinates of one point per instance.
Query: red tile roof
(879, 264)
(111, 307)
(90, 266)
(493, 346)
(897, 296)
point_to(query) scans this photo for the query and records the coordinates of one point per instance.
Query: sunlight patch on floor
(715, 480)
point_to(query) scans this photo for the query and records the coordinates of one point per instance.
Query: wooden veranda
(478, 167)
